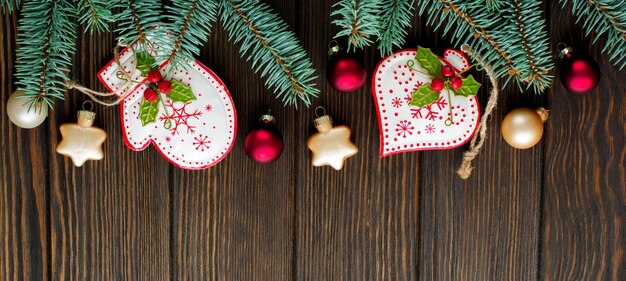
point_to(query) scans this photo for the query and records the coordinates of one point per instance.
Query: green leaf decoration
(180, 92)
(470, 87)
(429, 61)
(144, 62)
(424, 96)
(148, 111)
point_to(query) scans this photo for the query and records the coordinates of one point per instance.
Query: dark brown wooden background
(553, 212)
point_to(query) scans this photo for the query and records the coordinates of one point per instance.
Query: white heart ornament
(202, 131)
(404, 127)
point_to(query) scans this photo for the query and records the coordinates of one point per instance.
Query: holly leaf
(180, 92)
(144, 62)
(470, 87)
(148, 111)
(424, 96)
(429, 61)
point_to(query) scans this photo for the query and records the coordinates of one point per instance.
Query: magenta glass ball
(580, 75)
(264, 143)
(345, 73)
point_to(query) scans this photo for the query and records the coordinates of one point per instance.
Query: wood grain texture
(584, 234)
(553, 212)
(358, 223)
(485, 227)
(234, 221)
(110, 218)
(24, 221)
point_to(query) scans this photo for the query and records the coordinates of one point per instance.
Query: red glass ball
(264, 143)
(580, 75)
(345, 73)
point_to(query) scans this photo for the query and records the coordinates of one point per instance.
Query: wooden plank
(585, 177)
(234, 221)
(24, 218)
(109, 218)
(358, 223)
(485, 227)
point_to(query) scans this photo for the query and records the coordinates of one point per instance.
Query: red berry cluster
(455, 82)
(154, 76)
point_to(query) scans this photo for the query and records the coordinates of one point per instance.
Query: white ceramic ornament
(404, 127)
(202, 130)
(21, 116)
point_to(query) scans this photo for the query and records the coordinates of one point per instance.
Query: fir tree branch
(96, 14)
(273, 49)
(395, 18)
(191, 22)
(535, 68)
(493, 4)
(517, 50)
(45, 54)
(138, 20)
(604, 17)
(480, 32)
(9, 5)
(358, 19)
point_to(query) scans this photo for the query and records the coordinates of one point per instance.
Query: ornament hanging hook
(90, 105)
(323, 110)
(333, 47)
(563, 50)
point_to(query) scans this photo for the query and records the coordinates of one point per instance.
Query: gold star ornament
(330, 145)
(81, 141)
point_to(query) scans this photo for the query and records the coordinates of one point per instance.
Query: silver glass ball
(18, 112)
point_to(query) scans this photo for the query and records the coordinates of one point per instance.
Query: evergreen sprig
(273, 49)
(138, 20)
(604, 17)
(528, 43)
(97, 14)
(358, 19)
(395, 18)
(190, 22)
(8, 5)
(47, 41)
(512, 38)
(493, 4)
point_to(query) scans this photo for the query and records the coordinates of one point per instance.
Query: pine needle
(395, 18)
(604, 18)
(47, 41)
(9, 5)
(138, 20)
(358, 19)
(97, 14)
(190, 22)
(274, 50)
(512, 38)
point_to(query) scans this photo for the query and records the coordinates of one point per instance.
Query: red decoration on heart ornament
(410, 128)
(193, 129)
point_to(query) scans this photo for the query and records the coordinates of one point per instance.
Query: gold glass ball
(18, 112)
(522, 128)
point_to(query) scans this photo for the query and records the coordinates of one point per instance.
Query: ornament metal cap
(267, 118)
(564, 50)
(333, 48)
(543, 113)
(323, 123)
(86, 117)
